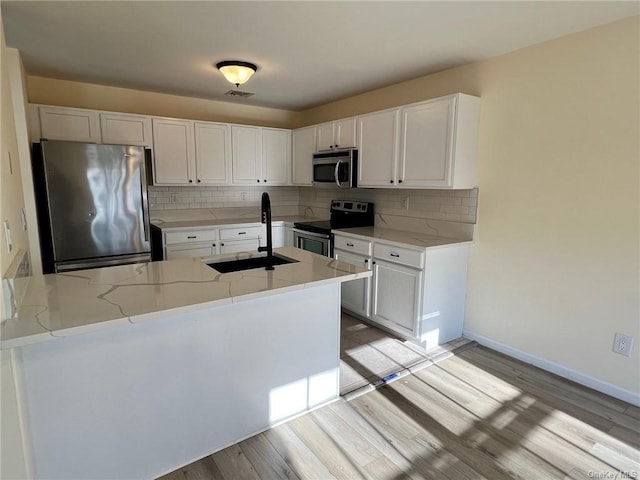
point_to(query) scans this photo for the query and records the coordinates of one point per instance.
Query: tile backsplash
(442, 212)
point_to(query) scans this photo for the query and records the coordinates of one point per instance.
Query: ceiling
(308, 53)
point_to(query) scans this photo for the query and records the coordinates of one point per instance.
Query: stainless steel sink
(249, 263)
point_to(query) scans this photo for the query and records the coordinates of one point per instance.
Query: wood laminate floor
(477, 414)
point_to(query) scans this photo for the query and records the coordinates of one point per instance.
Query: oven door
(312, 242)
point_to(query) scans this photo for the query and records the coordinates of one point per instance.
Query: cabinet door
(276, 156)
(173, 156)
(72, 124)
(304, 146)
(277, 237)
(245, 147)
(426, 144)
(213, 153)
(378, 148)
(125, 129)
(324, 137)
(344, 133)
(396, 296)
(356, 293)
(190, 251)
(240, 246)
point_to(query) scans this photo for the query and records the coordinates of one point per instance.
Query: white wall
(554, 272)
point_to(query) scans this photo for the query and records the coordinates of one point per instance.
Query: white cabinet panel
(276, 156)
(126, 129)
(246, 151)
(377, 144)
(304, 146)
(213, 153)
(426, 144)
(239, 246)
(338, 134)
(344, 133)
(72, 124)
(190, 251)
(396, 296)
(174, 158)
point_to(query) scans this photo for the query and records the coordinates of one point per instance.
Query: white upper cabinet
(174, 158)
(338, 134)
(126, 129)
(429, 144)
(246, 151)
(72, 124)
(378, 148)
(213, 153)
(438, 143)
(304, 146)
(260, 155)
(276, 156)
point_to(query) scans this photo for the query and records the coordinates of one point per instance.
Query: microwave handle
(335, 173)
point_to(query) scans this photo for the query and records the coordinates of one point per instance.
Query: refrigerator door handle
(143, 192)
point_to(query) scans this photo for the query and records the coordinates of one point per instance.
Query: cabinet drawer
(190, 237)
(353, 245)
(240, 233)
(403, 256)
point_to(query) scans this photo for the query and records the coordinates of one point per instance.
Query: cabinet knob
(373, 262)
(390, 181)
(399, 181)
(366, 260)
(265, 180)
(213, 244)
(222, 244)
(258, 180)
(198, 180)
(190, 181)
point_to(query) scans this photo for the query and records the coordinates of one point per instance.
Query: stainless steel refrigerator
(92, 205)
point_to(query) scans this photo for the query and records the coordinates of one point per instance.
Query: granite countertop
(73, 303)
(400, 237)
(219, 222)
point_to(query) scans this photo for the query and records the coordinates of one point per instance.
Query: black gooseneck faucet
(266, 218)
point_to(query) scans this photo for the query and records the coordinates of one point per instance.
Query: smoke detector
(239, 93)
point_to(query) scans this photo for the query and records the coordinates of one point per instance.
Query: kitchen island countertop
(65, 304)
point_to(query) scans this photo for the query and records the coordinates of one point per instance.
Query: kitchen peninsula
(133, 371)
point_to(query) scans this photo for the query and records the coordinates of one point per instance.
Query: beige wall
(554, 272)
(66, 93)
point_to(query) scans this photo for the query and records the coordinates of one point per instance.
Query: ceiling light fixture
(236, 72)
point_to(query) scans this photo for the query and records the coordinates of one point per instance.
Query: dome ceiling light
(236, 72)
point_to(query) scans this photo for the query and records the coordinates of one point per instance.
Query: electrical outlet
(174, 198)
(404, 203)
(622, 344)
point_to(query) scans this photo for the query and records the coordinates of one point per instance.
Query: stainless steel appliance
(92, 205)
(316, 237)
(337, 168)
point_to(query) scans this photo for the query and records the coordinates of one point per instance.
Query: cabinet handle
(349, 244)
(395, 255)
(242, 233)
(192, 236)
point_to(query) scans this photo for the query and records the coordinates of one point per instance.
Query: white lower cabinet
(191, 250)
(416, 293)
(396, 296)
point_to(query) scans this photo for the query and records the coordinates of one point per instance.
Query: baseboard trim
(578, 377)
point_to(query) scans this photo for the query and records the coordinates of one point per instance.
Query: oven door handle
(335, 173)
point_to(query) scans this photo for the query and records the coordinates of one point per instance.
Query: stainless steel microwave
(337, 168)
